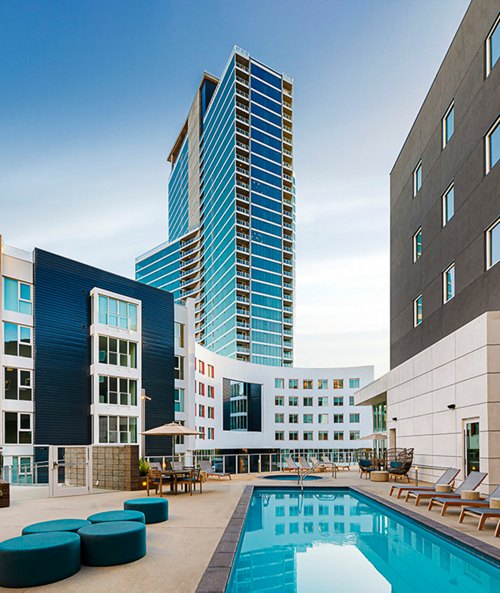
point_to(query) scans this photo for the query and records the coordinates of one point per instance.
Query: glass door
(471, 446)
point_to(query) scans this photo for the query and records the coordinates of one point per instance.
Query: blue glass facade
(236, 258)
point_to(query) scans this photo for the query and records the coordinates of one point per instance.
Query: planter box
(4, 494)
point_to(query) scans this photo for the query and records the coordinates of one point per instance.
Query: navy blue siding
(62, 350)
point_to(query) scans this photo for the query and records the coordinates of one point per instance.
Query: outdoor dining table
(173, 476)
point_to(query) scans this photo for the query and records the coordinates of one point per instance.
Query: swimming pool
(339, 541)
(290, 477)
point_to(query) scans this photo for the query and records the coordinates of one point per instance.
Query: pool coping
(216, 575)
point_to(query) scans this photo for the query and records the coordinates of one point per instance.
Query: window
(354, 418)
(354, 383)
(17, 340)
(210, 412)
(293, 418)
(338, 401)
(493, 47)
(201, 430)
(351, 400)
(417, 245)
(322, 401)
(17, 296)
(279, 435)
(417, 311)
(323, 418)
(18, 384)
(492, 244)
(308, 401)
(322, 383)
(323, 435)
(116, 391)
(448, 204)
(279, 418)
(211, 433)
(354, 435)
(201, 367)
(293, 400)
(338, 383)
(308, 436)
(179, 367)
(279, 400)
(279, 383)
(201, 410)
(117, 352)
(117, 313)
(293, 383)
(449, 283)
(179, 335)
(17, 428)
(179, 400)
(417, 178)
(211, 371)
(448, 124)
(293, 436)
(492, 146)
(201, 388)
(338, 435)
(338, 418)
(210, 391)
(307, 384)
(307, 418)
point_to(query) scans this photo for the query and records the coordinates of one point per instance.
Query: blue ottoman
(57, 525)
(109, 516)
(155, 509)
(117, 542)
(39, 559)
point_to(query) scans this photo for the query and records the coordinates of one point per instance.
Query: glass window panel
(113, 306)
(103, 349)
(103, 309)
(10, 294)
(25, 308)
(103, 429)
(133, 354)
(11, 383)
(25, 421)
(10, 338)
(494, 141)
(132, 314)
(25, 292)
(494, 241)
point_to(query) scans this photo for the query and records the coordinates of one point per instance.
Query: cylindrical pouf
(109, 516)
(379, 476)
(443, 488)
(39, 559)
(57, 525)
(469, 495)
(118, 542)
(155, 509)
(494, 503)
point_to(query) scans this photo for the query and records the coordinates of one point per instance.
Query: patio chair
(177, 465)
(446, 503)
(190, 480)
(483, 514)
(471, 482)
(367, 462)
(446, 478)
(291, 465)
(207, 469)
(154, 479)
(398, 462)
(304, 464)
(318, 465)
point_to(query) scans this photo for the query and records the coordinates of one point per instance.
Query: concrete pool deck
(180, 550)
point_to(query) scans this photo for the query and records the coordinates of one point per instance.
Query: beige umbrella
(375, 436)
(172, 429)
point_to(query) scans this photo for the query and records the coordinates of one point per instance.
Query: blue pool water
(290, 477)
(336, 541)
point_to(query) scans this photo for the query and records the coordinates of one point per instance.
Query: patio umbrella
(375, 436)
(172, 429)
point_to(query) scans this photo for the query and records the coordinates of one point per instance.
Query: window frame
(417, 256)
(416, 170)
(19, 327)
(489, 263)
(489, 66)
(487, 145)
(444, 126)
(420, 297)
(19, 299)
(19, 430)
(447, 299)
(19, 386)
(444, 210)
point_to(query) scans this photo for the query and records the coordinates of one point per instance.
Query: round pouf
(39, 559)
(109, 516)
(379, 476)
(155, 509)
(57, 525)
(117, 542)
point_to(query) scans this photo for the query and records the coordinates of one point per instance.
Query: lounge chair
(304, 464)
(207, 469)
(497, 530)
(291, 465)
(484, 513)
(332, 464)
(446, 503)
(471, 482)
(446, 478)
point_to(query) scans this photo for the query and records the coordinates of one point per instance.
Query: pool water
(336, 541)
(290, 477)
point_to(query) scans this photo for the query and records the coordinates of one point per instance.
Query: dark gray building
(445, 195)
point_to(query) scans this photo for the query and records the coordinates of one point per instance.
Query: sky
(93, 94)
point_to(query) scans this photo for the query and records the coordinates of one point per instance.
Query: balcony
(287, 332)
(288, 273)
(240, 311)
(243, 223)
(241, 286)
(243, 324)
(242, 198)
(242, 106)
(242, 274)
(242, 262)
(242, 171)
(243, 120)
(242, 337)
(242, 132)
(244, 211)
(244, 236)
(288, 309)
(242, 80)
(242, 248)
(242, 184)
(242, 145)
(242, 299)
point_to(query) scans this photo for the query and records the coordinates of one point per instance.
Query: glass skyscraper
(231, 223)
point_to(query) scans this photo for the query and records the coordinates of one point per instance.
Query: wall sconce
(451, 406)
(395, 419)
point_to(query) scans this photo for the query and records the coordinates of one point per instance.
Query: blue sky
(94, 93)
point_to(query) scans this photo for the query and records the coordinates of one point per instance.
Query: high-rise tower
(231, 204)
